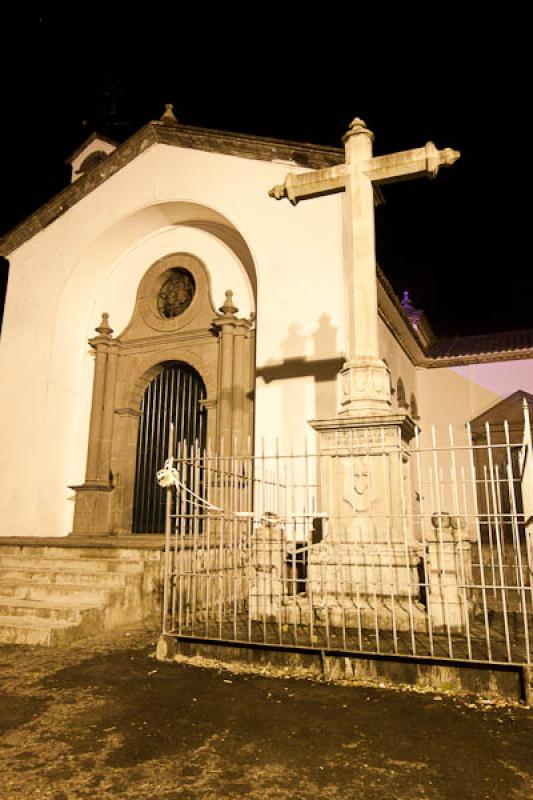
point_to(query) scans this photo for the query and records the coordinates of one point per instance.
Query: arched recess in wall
(90, 270)
(400, 394)
(74, 315)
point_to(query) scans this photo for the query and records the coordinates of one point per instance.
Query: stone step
(66, 563)
(47, 632)
(47, 590)
(52, 594)
(102, 578)
(66, 610)
(56, 551)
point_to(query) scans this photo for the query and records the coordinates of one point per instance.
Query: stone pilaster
(100, 345)
(92, 509)
(104, 460)
(249, 395)
(234, 378)
(239, 387)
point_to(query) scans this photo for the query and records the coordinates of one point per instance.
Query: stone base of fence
(510, 682)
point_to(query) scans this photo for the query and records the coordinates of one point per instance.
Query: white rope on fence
(169, 476)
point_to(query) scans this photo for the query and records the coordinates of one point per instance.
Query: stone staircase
(55, 593)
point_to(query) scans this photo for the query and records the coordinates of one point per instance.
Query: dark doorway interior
(173, 396)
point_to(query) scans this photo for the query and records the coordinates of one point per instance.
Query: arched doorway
(148, 377)
(174, 396)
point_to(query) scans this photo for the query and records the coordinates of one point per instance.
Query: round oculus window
(176, 293)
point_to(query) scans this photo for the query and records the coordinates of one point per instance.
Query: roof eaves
(74, 192)
(478, 358)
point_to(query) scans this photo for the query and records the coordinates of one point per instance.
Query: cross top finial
(357, 127)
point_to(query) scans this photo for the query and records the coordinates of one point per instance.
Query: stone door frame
(219, 346)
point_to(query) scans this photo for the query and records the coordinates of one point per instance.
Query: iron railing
(368, 547)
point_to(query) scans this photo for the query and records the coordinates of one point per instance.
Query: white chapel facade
(166, 274)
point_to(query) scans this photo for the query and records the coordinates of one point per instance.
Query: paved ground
(104, 720)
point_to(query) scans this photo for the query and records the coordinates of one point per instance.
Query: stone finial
(449, 156)
(168, 116)
(104, 328)
(406, 302)
(229, 309)
(358, 126)
(439, 158)
(414, 314)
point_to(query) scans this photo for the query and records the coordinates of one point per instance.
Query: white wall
(91, 259)
(456, 395)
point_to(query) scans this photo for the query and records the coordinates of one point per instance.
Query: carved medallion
(176, 293)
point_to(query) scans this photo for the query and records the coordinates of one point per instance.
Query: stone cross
(365, 376)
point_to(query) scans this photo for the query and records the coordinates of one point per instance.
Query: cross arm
(409, 164)
(311, 184)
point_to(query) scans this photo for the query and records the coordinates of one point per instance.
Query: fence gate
(173, 397)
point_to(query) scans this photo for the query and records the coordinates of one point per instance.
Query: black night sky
(458, 243)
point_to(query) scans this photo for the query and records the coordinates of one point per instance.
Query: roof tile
(482, 343)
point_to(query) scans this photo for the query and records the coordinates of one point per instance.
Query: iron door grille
(173, 396)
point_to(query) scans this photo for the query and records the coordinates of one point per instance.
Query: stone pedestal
(448, 573)
(364, 572)
(364, 585)
(267, 573)
(93, 504)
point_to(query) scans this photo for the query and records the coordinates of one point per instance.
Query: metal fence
(368, 547)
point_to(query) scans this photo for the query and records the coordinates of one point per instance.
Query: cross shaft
(365, 378)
